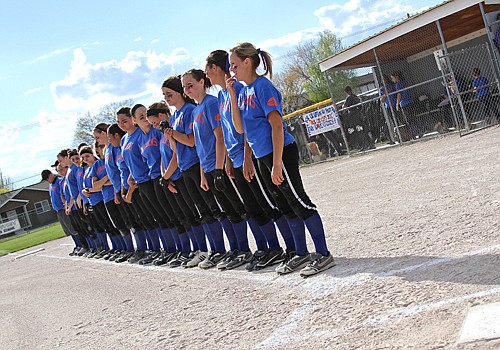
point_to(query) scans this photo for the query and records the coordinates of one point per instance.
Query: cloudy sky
(61, 59)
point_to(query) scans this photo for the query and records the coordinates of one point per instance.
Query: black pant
(291, 188)
(169, 207)
(77, 225)
(102, 216)
(254, 198)
(204, 200)
(130, 217)
(141, 211)
(191, 216)
(151, 204)
(228, 200)
(116, 217)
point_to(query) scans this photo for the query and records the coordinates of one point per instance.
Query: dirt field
(416, 235)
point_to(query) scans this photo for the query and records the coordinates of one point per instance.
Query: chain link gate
(472, 88)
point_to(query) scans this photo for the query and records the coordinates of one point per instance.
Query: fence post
(492, 44)
(390, 121)
(454, 82)
(344, 137)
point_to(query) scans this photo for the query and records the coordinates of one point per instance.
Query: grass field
(11, 245)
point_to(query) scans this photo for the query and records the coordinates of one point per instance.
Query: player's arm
(278, 138)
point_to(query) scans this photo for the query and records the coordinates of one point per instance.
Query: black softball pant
(291, 189)
(228, 199)
(101, 216)
(169, 206)
(204, 200)
(191, 216)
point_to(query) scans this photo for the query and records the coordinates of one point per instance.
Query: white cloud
(31, 91)
(56, 52)
(358, 15)
(91, 86)
(155, 41)
(136, 40)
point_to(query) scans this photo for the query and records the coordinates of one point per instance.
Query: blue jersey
(151, 152)
(98, 170)
(477, 83)
(112, 167)
(132, 156)
(95, 197)
(234, 141)
(166, 155)
(79, 177)
(55, 194)
(255, 102)
(66, 193)
(124, 170)
(72, 181)
(182, 121)
(206, 118)
(391, 99)
(405, 95)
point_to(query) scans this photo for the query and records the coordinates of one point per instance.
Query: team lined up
(163, 184)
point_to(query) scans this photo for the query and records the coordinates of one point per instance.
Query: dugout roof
(458, 18)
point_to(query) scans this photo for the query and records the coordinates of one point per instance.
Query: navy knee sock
(230, 234)
(185, 243)
(200, 238)
(286, 232)
(258, 235)
(90, 243)
(97, 242)
(154, 240)
(315, 227)
(299, 235)
(192, 238)
(241, 233)
(215, 229)
(103, 239)
(129, 243)
(120, 243)
(76, 240)
(167, 240)
(140, 240)
(269, 231)
(177, 240)
(208, 234)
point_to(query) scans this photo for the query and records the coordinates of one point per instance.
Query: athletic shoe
(109, 254)
(179, 259)
(196, 258)
(164, 258)
(156, 254)
(240, 259)
(124, 256)
(82, 251)
(212, 260)
(138, 255)
(116, 255)
(271, 257)
(257, 256)
(294, 263)
(148, 258)
(74, 252)
(91, 253)
(318, 263)
(101, 253)
(230, 255)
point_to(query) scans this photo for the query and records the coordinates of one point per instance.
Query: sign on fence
(9, 226)
(321, 120)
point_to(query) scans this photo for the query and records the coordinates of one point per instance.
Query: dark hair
(83, 144)
(63, 153)
(102, 127)
(115, 129)
(86, 149)
(476, 72)
(220, 58)
(348, 89)
(72, 152)
(197, 75)
(399, 74)
(158, 107)
(248, 50)
(174, 83)
(45, 174)
(124, 110)
(135, 108)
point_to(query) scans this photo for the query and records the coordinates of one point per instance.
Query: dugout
(434, 53)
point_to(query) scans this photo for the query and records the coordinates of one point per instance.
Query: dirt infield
(415, 231)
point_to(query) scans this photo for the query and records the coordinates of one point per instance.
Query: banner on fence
(9, 226)
(321, 120)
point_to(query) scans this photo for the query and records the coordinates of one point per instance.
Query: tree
(294, 96)
(86, 122)
(5, 183)
(304, 68)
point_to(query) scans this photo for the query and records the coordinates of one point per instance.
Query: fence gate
(472, 87)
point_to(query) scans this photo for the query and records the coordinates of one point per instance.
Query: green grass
(46, 234)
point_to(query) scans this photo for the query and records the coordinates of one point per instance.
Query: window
(42, 206)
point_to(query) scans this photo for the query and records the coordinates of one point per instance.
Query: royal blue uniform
(405, 95)
(112, 169)
(98, 170)
(255, 102)
(150, 151)
(234, 141)
(206, 118)
(477, 83)
(132, 156)
(166, 155)
(55, 191)
(182, 121)
(96, 197)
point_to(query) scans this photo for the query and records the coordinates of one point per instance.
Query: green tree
(6, 184)
(304, 66)
(86, 122)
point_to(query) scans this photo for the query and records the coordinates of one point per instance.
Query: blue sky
(61, 59)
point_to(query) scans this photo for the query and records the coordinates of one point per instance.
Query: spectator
(356, 132)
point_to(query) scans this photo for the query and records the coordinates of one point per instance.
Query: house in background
(25, 209)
